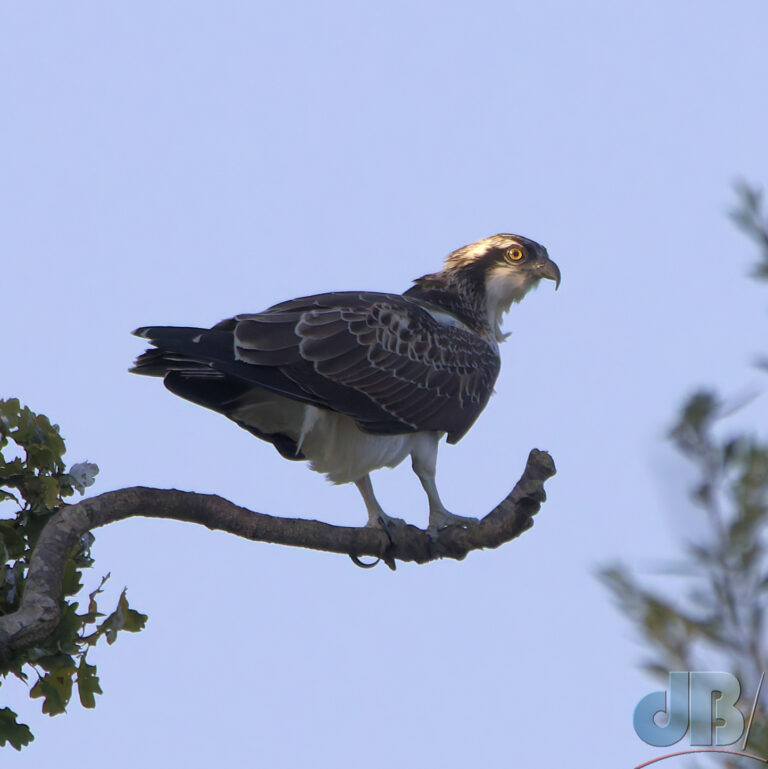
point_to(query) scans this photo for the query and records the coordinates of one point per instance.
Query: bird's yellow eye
(515, 254)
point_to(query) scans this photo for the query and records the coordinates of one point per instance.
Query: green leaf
(68, 631)
(55, 662)
(42, 492)
(71, 583)
(34, 527)
(56, 690)
(13, 473)
(123, 618)
(87, 684)
(13, 539)
(41, 440)
(9, 410)
(50, 492)
(11, 731)
(93, 607)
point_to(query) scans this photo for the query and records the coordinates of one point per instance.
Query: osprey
(353, 381)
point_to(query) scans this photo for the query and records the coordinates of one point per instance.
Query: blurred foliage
(33, 483)
(719, 621)
(750, 217)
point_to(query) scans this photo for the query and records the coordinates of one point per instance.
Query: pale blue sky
(179, 162)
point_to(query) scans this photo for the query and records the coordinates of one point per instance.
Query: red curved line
(703, 750)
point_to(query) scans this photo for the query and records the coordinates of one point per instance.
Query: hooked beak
(551, 271)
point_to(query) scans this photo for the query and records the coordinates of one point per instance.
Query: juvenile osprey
(357, 380)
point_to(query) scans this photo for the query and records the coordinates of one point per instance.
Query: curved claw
(388, 523)
(362, 565)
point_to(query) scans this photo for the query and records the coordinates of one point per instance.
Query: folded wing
(381, 359)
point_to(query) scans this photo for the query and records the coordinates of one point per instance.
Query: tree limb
(39, 612)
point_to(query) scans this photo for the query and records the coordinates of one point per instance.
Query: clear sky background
(179, 162)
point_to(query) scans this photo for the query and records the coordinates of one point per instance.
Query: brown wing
(382, 359)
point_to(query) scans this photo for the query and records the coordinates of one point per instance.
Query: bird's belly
(332, 442)
(336, 446)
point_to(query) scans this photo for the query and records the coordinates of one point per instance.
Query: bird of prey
(353, 381)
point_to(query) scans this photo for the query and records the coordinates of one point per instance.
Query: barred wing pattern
(382, 359)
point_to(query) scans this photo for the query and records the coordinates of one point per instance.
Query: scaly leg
(424, 463)
(377, 518)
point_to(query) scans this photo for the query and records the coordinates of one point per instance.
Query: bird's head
(504, 268)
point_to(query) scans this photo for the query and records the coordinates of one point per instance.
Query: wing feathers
(265, 335)
(282, 357)
(379, 358)
(339, 365)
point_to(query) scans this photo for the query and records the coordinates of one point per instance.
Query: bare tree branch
(39, 613)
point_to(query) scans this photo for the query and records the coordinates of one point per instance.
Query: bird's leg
(377, 518)
(424, 463)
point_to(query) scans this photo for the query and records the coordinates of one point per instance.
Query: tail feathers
(179, 348)
(150, 363)
(205, 355)
(170, 336)
(160, 362)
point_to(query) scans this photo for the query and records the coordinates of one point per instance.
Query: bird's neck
(461, 296)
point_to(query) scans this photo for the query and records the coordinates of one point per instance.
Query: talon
(387, 523)
(442, 519)
(362, 564)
